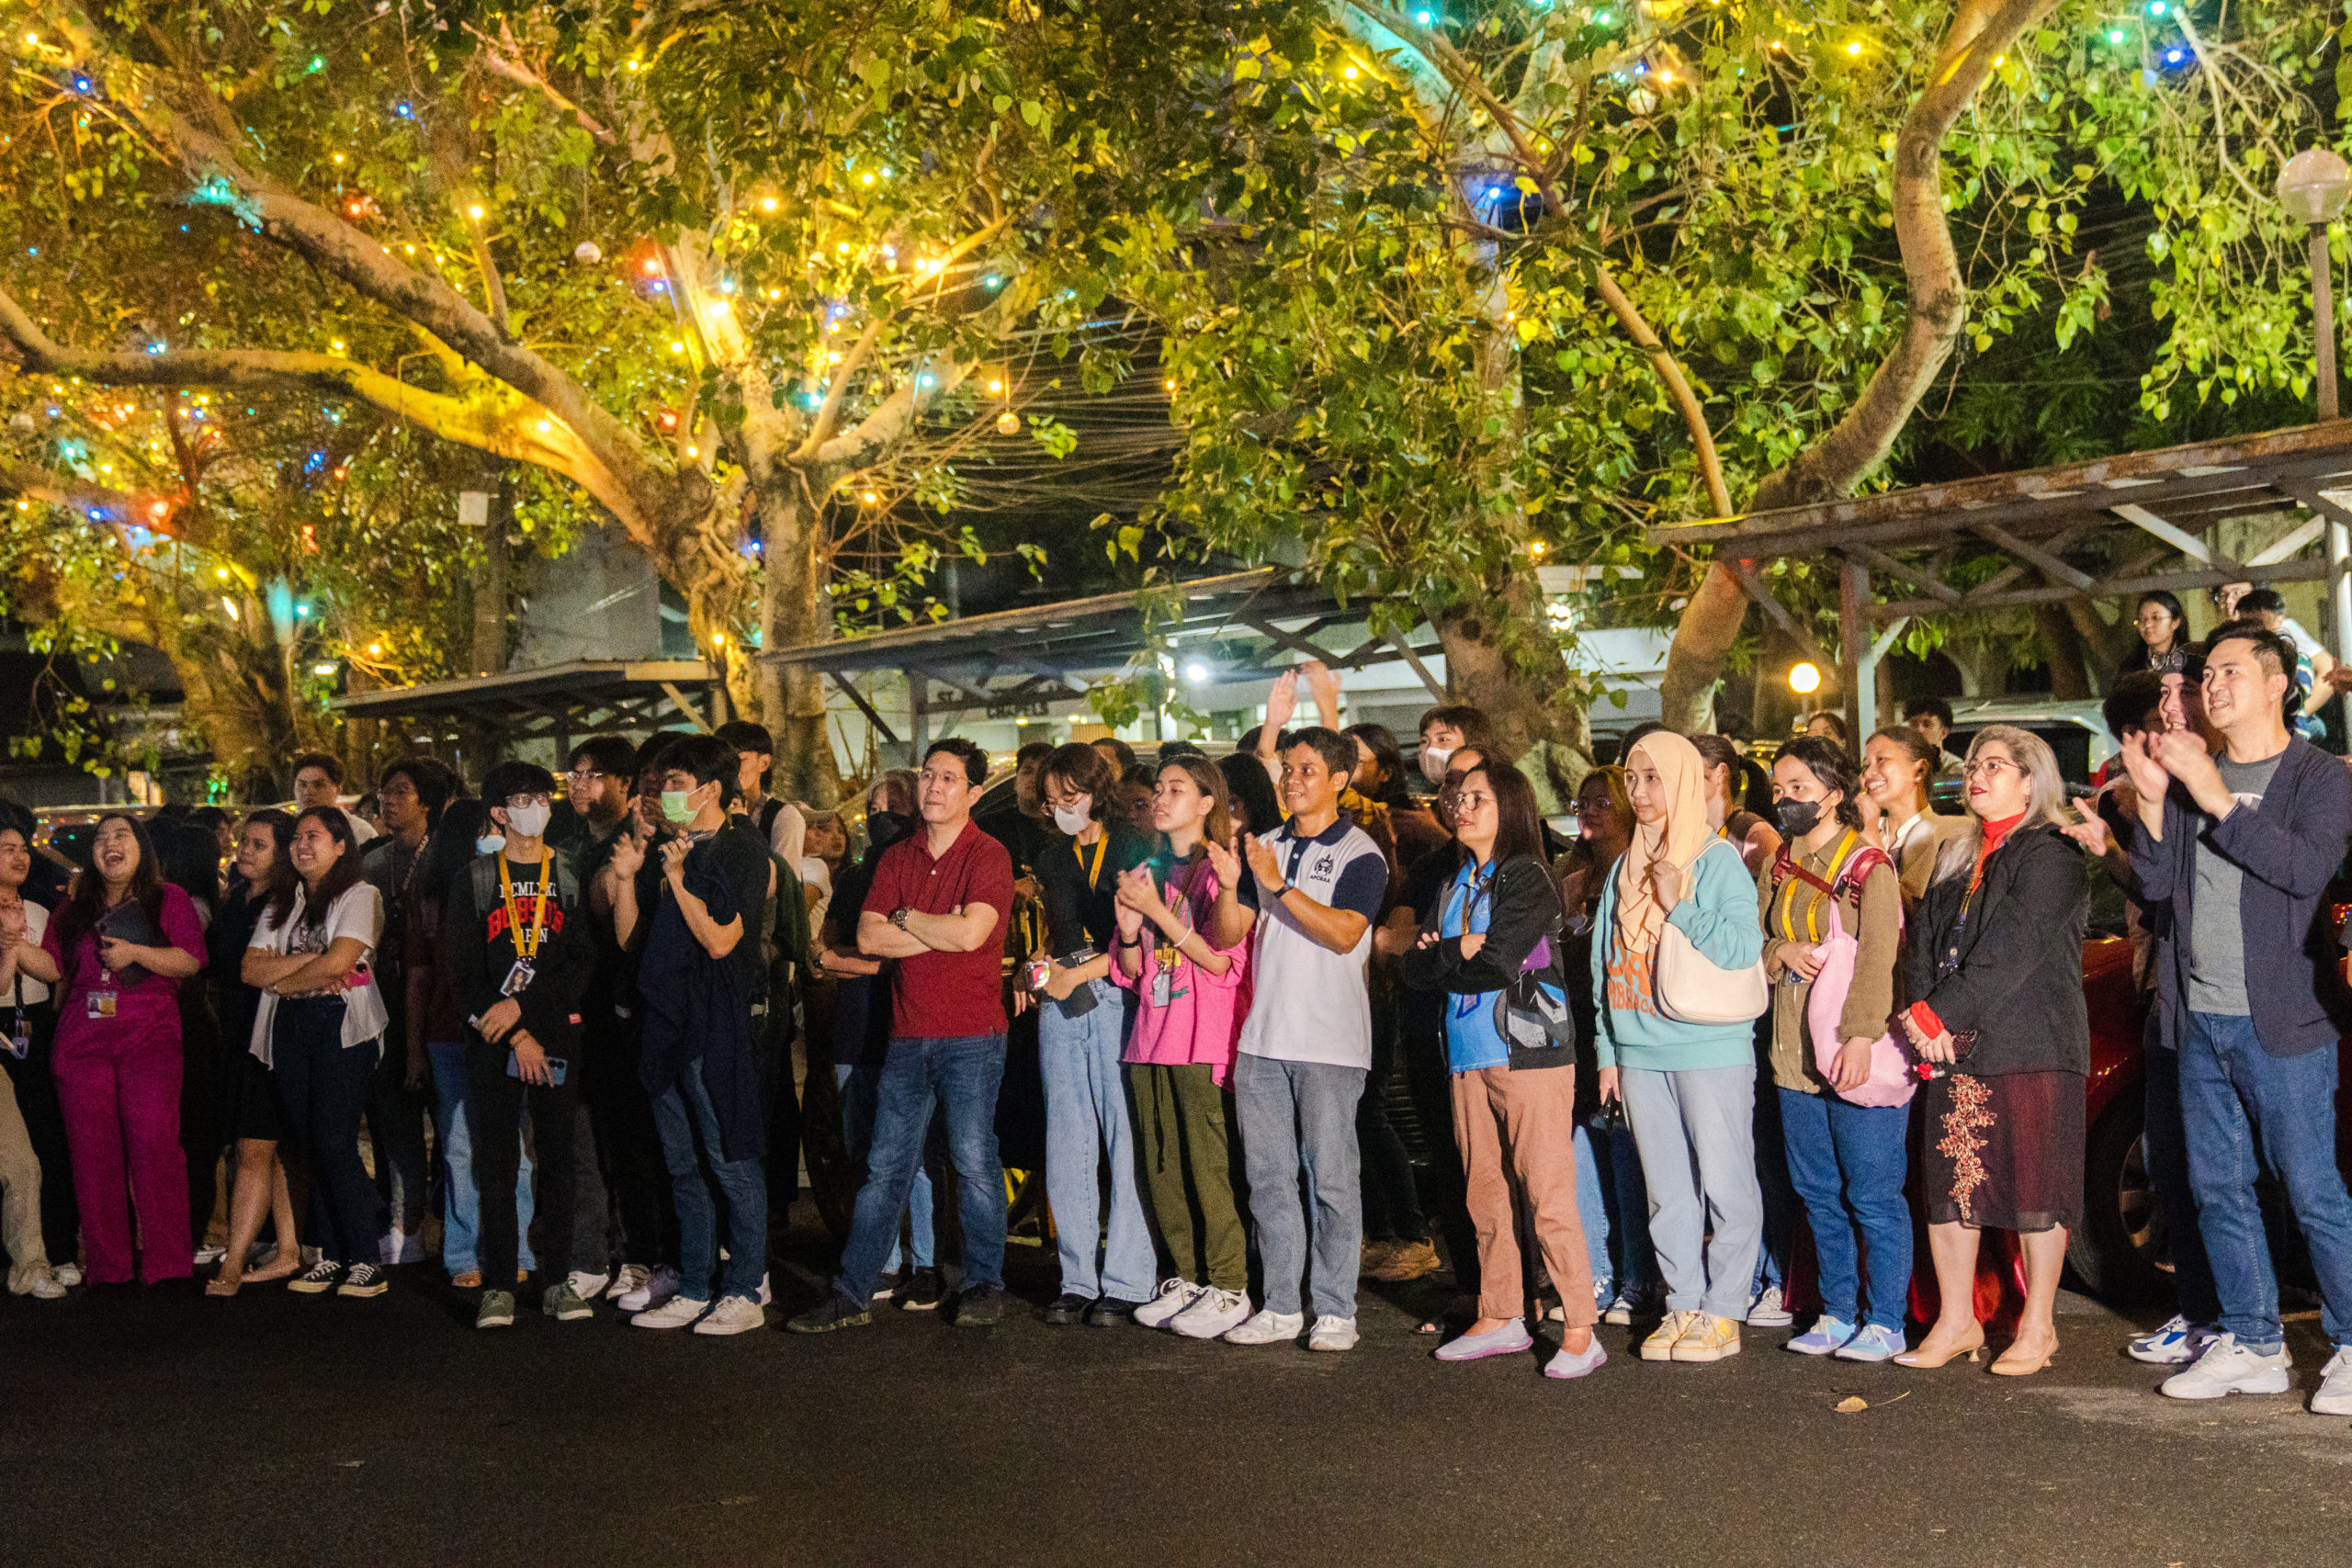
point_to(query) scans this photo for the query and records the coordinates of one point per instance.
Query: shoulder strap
(485, 884)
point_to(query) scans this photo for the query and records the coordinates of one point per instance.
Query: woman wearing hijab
(1689, 1088)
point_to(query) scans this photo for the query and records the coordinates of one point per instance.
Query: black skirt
(252, 1102)
(2004, 1152)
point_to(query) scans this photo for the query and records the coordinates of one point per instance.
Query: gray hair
(2045, 802)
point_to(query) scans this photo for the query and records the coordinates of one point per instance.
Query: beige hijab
(1677, 840)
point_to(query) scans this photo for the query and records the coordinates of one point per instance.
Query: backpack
(1890, 1082)
(485, 873)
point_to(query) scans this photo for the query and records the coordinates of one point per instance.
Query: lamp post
(2313, 189)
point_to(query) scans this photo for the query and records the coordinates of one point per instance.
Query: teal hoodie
(1720, 919)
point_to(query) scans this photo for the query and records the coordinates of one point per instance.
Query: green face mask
(675, 807)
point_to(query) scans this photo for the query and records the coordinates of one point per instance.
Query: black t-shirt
(1426, 882)
(741, 857)
(1079, 886)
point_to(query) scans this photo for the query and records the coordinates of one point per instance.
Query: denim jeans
(1846, 1162)
(1696, 1131)
(2166, 1147)
(2244, 1108)
(1088, 1120)
(322, 1088)
(1608, 1162)
(960, 1073)
(396, 1127)
(858, 1083)
(460, 1199)
(683, 1117)
(1301, 1116)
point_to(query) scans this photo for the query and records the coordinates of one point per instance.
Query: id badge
(98, 1004)
(517, 977)
(1162, 987)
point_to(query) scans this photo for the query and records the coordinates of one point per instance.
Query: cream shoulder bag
(1691, 988)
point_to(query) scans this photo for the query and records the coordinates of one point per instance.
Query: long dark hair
(1518, 829)
(451, 848)
(1832, 769)
(1250, 793)
(1389, 757)
(190, 853)
(87, 902)
(279, 889)
(343, 875)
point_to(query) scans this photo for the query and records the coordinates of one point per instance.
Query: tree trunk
(2070, 678)
(793, 613)
(1524, 687)
(1702, 640)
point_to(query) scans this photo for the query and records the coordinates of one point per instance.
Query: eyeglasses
(515, 802)
(1473, 799)
(585, 775)
(1989, 769)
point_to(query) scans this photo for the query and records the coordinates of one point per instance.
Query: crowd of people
(1652, 1057)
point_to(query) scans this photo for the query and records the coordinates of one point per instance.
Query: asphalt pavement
(159, 1427)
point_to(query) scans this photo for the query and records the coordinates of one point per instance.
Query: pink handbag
(1891, 1082)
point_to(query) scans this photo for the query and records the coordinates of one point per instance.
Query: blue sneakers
(2176, 1344)
(1825, 1335)
(1875, 1343)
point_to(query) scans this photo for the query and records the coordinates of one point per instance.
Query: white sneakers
(678, 1312)
(1174, 1296)
(1769, 1310)
(1332, 1332)
(656, 1287)
(45, 1286)
(2335, 1395)
(1213, 1313)
(586, 1286)
(1267, 1329)
(628, 1277)
(733, 1315)
(2228, 1367)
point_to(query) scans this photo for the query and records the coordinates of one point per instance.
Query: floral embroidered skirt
(2004, 1152)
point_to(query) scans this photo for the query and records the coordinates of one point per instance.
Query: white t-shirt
(1310, 1004)
(28, 990)
(816, 874)
(358, 913)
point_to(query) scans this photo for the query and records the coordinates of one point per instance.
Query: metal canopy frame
(1022, 661)
(2173, 498)
(556, 701)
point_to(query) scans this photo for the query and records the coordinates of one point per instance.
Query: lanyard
(1094, 872)
(1787, 900)
(539, 902)
(1170, 953)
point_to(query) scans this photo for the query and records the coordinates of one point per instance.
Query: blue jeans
(2243, 1108)
(961, 1073)
(460, 1199)
(856, 1082)
(1696, 1131)
(1088, 1118)
(1301, 1116)
(2166, 1146)
(682, 1114)
(1846, 1162)
(1610, 1164)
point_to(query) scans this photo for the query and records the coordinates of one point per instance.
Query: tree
(712, 267)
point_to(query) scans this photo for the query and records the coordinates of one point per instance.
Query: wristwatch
(898, 917)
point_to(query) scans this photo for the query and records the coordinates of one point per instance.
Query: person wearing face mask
(519, 957)
(1447, 728)
(1846, 1159)
(1083, 1024)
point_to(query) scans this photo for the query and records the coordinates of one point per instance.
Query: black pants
(1392, 1204)
(322, 1085)
(628, 1145)
(1429, 1080)
(396, 1119)
(35, 1081)
(494, 1117)
(202, 1134)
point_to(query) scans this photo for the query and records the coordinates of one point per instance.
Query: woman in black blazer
(1995, 967)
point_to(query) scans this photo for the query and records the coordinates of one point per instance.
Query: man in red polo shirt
(938, 906)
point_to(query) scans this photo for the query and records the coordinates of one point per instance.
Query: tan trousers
(20, 1196)
(1518, 1132)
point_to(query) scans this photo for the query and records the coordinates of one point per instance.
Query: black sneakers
(919, 1291)
(979, 1306)
(1112, 1312)
(836, 1311)
(1066, 1310)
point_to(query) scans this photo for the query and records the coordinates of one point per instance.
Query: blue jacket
(2289, 848)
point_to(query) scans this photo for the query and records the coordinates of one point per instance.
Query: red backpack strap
(1858, 866)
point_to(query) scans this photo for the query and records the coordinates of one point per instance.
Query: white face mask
(529, 821)
(1433, 760)
(489, 843)
(1072, 819)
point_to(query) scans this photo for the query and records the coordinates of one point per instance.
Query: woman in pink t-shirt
(1190, 997)
(117, 952)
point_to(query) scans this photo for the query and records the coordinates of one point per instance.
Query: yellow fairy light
(1857, 49)
(767, 204)
(474, 211)
(996, 386)
(677, 346)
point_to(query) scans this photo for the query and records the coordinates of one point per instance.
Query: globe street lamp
(2313, 188)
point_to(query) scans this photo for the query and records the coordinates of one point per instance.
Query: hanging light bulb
(1008, 424)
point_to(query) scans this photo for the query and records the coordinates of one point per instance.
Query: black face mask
(887, 828)
(1798, 817)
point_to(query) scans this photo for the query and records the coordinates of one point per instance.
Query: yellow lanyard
(1094, 872)
(538, 911)
(1812, 905)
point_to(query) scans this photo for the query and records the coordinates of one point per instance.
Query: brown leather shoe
(1408, 1260)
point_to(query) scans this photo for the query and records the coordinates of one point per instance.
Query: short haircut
(1475, 728)
(326, 762)
(2275, 653)
(511, 778)
(1172, 750)
(428, 776)
(2133, 698)
(1337, 751)
(976, 761)
(1121, 753)
(1083, 771)
(1832, 769)
(1032, 751)
(745, 736)
(1935, 706)
(1250, 793)
(606, 754)
(1381, 741)
(2263, 600)
(707, 759)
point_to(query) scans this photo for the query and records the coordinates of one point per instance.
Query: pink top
(146, 1014)
(1201, 1020)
